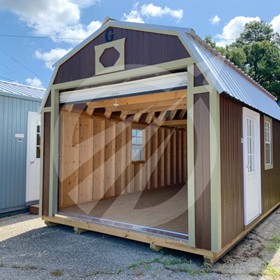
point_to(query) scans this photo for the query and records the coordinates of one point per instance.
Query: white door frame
(249, 193)
(32, 186)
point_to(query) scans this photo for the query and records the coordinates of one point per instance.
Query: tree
(257, 53)
(256, 31)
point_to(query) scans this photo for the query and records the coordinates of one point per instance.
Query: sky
(34, 34)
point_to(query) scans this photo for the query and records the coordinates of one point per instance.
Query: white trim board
(160, 83)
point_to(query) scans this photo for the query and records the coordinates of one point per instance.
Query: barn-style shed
(150, 134)
(19, 146)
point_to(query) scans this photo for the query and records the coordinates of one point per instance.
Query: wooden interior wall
(202, 179)
(95, 159)
(46, 164)
(271, 177)
(231, 169)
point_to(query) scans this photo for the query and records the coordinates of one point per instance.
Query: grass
(26, 267)
(97, 272)
(274, 244)
(272, 271)
(171, 265)
(57, 273)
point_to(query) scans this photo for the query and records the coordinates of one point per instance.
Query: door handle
(32, 162)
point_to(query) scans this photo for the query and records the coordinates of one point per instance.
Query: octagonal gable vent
(109, 57)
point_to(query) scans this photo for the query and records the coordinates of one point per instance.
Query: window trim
(142, 160)
(268, 120)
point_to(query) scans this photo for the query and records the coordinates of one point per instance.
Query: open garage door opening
(123, 161)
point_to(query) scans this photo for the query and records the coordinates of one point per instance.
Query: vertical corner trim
(215, 167)
(41, 165)
(54, 149)
(190, 157)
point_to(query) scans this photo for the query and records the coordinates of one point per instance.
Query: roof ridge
(23, 85)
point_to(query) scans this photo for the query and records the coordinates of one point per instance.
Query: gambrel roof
(225, 76)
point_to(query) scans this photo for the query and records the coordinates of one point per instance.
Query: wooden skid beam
(154, 241)
(78, 230)
(157, 241)
(155, 247)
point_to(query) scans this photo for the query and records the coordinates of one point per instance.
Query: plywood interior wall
(95, 159)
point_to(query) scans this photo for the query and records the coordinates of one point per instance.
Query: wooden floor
(163, 208)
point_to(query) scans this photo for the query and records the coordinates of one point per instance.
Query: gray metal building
(16, 101)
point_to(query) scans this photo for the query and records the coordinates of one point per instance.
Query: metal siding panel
(13, 119)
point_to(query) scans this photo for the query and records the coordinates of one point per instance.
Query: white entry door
(33, 157)
(252, 165)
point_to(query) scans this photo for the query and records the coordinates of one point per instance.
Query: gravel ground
(31, 250)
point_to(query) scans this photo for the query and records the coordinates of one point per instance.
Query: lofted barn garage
(150, 134)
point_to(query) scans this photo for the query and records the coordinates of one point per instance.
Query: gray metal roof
(229, 79)
(21, 90)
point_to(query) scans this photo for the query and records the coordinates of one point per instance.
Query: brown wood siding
(48, 101)
(231, 169)
(202, 171)
(46, 164)
(199, 79)
(95, 159)
(141, 49)
(270, 178)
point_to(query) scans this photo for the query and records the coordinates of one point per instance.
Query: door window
(38, 141)
(251, 145)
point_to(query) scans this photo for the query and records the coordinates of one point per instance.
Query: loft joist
(174, 98)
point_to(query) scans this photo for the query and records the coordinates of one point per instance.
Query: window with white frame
(268, 143)
(137, 144)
